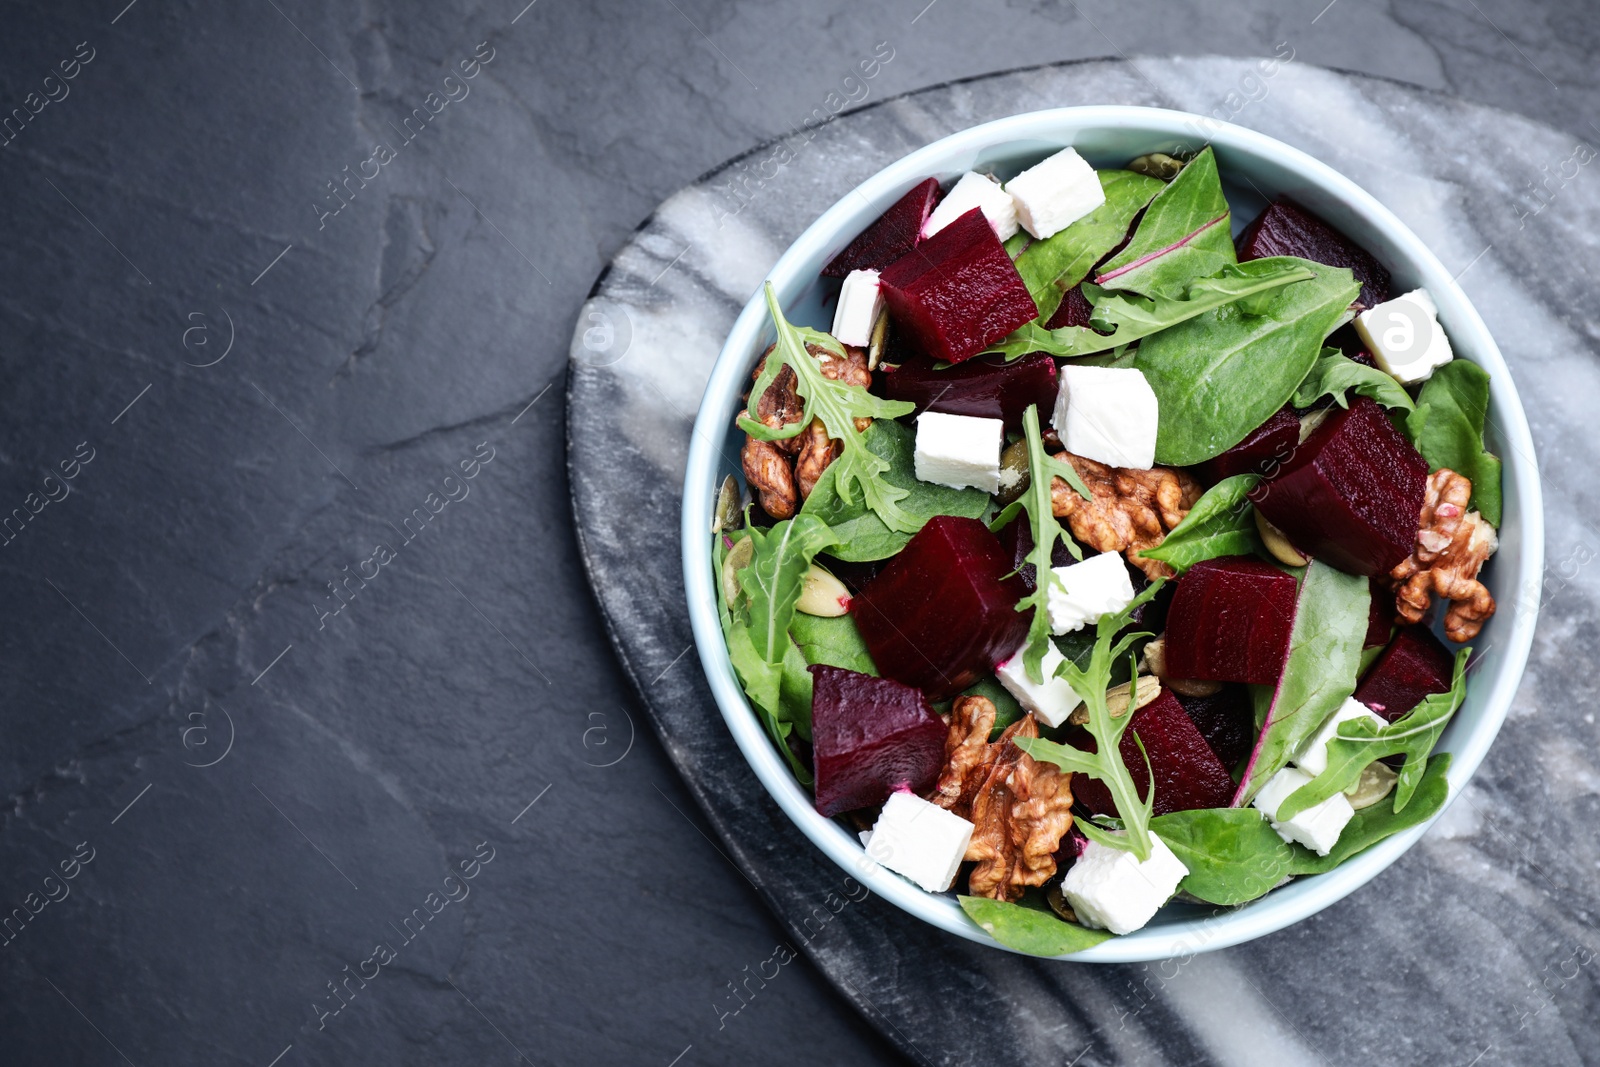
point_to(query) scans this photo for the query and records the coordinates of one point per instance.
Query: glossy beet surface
(1226, 720)
(1230, 621)
(943, 612)
(894, 234)
(1380, 616)
(1016, 538)
(1286, 229)
(1263, 451)
(958, 292)
(1351, 495)
(986, 387)
(1415, 665)
(1074, 310)
(1188, 774)
(870, 736)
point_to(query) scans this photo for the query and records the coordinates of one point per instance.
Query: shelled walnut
(1451, 548)
(1132, 509)
(782, 473)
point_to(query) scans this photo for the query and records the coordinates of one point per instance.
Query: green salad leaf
(1038, 933)
(1447, 428)
(1122, 318)
(1221, 523)
(1222, 373)
(1334, 374)
(838, 405)
(1090, 683)
(1184, 235)
(1052, 266)
(862, 533)
(774, 577)
(1330, 625)
(834, 641)
(1360, 741)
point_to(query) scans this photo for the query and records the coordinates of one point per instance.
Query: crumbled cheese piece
(859, 304)
(1313, 755)
(975, 191)
(960, 451)
(1056, 192)
(1109, 415)
(1405, 337)
(1110, 889)
(1051, 700)
(1319, 826)
(919, 840)
(1096, 587)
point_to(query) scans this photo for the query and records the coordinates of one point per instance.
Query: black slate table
(279, 674)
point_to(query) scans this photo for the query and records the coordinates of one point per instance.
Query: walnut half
(1451, 548)
(1132, 509)
(782, 473)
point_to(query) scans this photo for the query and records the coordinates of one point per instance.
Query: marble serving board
(1478, 946)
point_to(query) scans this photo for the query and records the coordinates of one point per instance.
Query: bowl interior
(1255, 169)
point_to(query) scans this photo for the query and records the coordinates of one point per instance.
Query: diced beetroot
(1262, 452)
(1074, 310)
(1286, 229)
(1351, 495)
(1188, 774)
(959, 292)
(870, 736)
(1230, 621)
(894, 234)
(1380, 616)
(943, 611)
(1416, 665)
(1226, 720)
(987, 387)
(1016, 538)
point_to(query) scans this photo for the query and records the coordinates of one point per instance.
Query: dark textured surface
(472, 673)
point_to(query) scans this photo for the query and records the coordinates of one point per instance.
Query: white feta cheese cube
(1319, 826)
(1096, 587)
(960, 451)
(1110, 889)
(859, 304)
(919, 840)
(1107, 414)
(1405, 337)
(1056, 192)
(1313, 755)
(1051, 700)
(975, 191)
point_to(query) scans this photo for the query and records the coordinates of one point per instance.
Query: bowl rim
(1060, 126)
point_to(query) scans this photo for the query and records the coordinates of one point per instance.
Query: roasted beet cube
(1226, 720)
(1262, 452)
(959, 291)
(1188, 774)
(1286, 229)
(1074, 310)
(1016, 537)
(1380, 616)
(988, 387)
(1230, 621)
(1416, 665)
(943, 612)
(892, 236)
(869, 737)
(1351, 495)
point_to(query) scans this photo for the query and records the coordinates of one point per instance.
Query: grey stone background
(173, 606)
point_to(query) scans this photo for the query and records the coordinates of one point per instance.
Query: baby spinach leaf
(1221, 523)
(1038, 933)
(1330, 623)
(1447, 428)
(1052, 266)
(1221, 374)
(1121, 318)
(834, 641)
(774, 577)
(1105, 763)
(1360, 741)
(1334, 374)
(1233, 854)
(838, 405)
(1373, 824)
(1184, 235)
(862, 534)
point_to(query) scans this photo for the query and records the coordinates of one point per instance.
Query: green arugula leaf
(1335, 373)
(1090, 683)
(1447, 428)
(1221, 523)
(1122, 318)
(1052, 266)
(1038, 933)
(1360, 741)
(774, 577)
(862, 534)
(1373, 824)
(1233, 854)
(1184, 235)
(838, 405)
(834, 641)
(1222, 373)
(1330, 624)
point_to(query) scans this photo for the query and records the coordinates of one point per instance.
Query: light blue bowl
(1253, 167)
